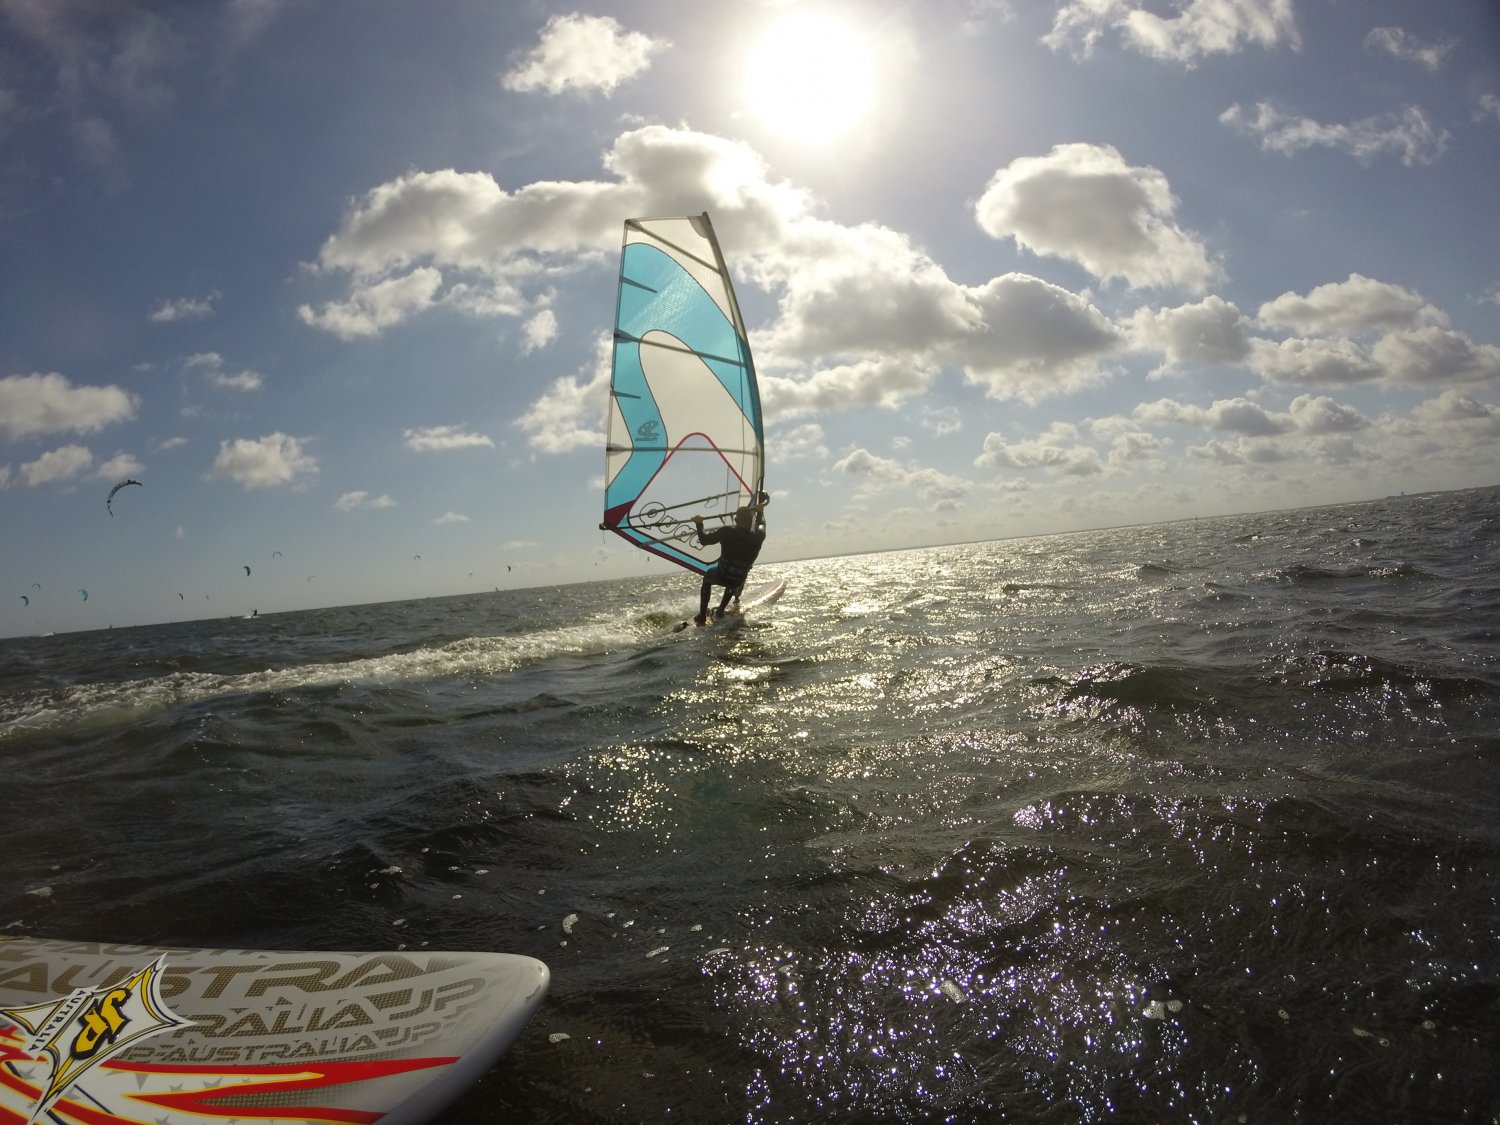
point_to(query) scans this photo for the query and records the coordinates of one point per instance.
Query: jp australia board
(753, 599)
(96, 1034)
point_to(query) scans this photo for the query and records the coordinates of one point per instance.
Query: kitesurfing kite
(85, 594)
(110, 499)
(25, 599)
(247, 570)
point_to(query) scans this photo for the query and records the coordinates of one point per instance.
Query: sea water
(1191, 822)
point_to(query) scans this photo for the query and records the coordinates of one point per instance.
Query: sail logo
(649, 430)
(69, 1035)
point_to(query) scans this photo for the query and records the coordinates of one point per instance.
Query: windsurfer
(739, 545)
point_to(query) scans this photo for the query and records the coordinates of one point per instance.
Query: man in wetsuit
(738, 547)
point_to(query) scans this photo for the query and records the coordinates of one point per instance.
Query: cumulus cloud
(1312, 361)
(1084, 203)
(32, 405)
(1058, 450)
(1198, 28)
(429, 239)
(582, 54)
(428, 439)
(212, 366)
(375, 305)
(1402, 44)
(876, 473)
(1408, 135)
(451, 517)
(274, 460)
(119, 466)
(1307, 414)
(1488, 108)
(806, 440)
(1351, 307)
(1422, 356)
(1206, 334)
(1454, 408)
(540, 331)
(63, 463)
(354, 501)
(184, 308)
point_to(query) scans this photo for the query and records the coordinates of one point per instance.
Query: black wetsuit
(738, 549)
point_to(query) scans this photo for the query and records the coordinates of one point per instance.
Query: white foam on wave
(90, 705)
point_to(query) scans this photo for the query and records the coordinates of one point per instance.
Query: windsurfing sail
(684, 435)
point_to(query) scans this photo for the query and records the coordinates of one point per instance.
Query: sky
(334, 280)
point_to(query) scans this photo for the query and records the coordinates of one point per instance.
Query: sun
(811, 77)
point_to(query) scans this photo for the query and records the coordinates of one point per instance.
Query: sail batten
(684, 433)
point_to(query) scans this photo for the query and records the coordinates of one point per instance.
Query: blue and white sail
(684, 435)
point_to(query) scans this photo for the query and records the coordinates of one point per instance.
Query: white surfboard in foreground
(96, 1034)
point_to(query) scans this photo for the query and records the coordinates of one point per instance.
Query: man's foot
(719, 614)
(701, 620)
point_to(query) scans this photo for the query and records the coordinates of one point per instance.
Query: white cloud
(1409, 135)
(1488, 108)
(1209, 333)
(427, 439)
(1312, 361)
(268, 462)
(540, 331)
(1058, 450)
(245, 381)
(806, 440)
(1402, 44)
(486, 243)
(1199, 27)
(1035, 340)
(1084, 203)
(1351, 307)
(353, 501)
(1454, 408)
(375, 305)
(119, 466)
(63, 463)
(212, 365)
(31, 405)
(451, 517)
(880, 474)
(883, 382)
(582, 53)
(1307, 414)
(1422, 356)
(184, 308)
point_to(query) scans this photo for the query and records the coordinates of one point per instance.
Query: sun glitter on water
(811, 77)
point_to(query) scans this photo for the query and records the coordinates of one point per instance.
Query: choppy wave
(1188, 823)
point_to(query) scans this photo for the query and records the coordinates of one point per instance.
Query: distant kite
(310, 577)
(416, 556)
(85, 594)
(181, 598)
(247, 571)
(110, 499)
(37, 585)
(25, 599)
(276, 554)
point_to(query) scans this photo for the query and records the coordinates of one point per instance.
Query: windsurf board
(767, 594)
(94, 1034)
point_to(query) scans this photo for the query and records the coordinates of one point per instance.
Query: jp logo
(68, 1035)
(649, 430)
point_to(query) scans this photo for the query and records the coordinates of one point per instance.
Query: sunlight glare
(811, 77)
